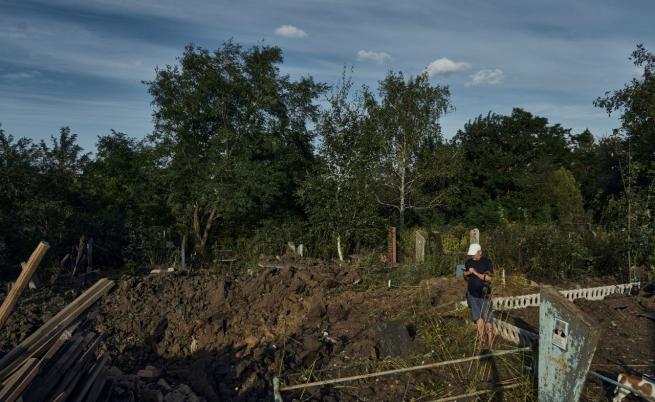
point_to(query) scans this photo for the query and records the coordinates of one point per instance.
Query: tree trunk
(201, 237)
(339, 250)
(401, 206)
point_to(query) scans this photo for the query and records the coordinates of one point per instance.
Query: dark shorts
(480, 308)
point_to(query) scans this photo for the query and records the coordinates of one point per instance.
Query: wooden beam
(22, 281)
(10, 391)
(52, 328)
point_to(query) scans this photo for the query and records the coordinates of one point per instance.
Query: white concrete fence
(534, 300)
(514, 334)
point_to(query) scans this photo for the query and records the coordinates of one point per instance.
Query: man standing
(477, 275)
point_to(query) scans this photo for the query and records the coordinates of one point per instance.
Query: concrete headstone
(420, 247)
(567, 343)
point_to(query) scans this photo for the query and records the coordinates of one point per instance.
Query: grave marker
(567, 343)
(420, 247)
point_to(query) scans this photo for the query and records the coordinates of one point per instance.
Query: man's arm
(486, 277)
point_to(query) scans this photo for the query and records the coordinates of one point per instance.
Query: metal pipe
(402, 370)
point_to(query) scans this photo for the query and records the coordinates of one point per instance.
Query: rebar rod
(402, 370)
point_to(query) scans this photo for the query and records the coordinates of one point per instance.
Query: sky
(81, 63)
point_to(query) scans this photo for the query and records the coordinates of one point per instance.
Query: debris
(22, 281)
(149, 372)
(394, 339)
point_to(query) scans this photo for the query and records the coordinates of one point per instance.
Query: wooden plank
(48, 326)
(82, 364)
(92, 378)
(60, 371)
(50, 378)
(25, 382)
(44, 366)
(9, 390)
(22, 281)
(53, 327)
(98, 386)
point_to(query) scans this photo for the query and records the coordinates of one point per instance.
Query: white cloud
(17, 76)
(444, 66)
(289, 31)
(376, 57)
(490, 77)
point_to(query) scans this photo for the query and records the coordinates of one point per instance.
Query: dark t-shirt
(475, 284)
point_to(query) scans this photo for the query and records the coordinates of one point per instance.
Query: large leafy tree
(124, 188)
(19, 181)
(633, 156)
(636, 104)
(337, 195)
(509, 160)
(232, 136)
(409, 143)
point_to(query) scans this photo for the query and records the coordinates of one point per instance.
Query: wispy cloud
(375, 57)
(445, 67)
(18, 76)
(486, 77)
(289, 31)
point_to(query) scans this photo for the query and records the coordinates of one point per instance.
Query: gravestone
(474, 236)
(435, 243)
(420, 247)
(567, 343)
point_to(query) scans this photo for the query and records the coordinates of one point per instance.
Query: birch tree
(337, 196)
(411, 155)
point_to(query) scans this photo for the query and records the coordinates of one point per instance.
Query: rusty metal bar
(402, 370)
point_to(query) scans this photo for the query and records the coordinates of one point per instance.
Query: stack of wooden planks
(60, 361)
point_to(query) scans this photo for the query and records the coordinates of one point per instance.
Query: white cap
(474, 248)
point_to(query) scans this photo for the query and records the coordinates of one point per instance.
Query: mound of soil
(34, 307)
(228, 336)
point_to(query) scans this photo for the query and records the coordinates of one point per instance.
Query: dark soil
(228, 336)
(225, 336)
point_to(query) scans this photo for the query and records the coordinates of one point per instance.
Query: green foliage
(231, 134)
(508, 160)
(232, 164)
(488, 214)
(413, 167)
(566, 197)
(551, 252)
(636, 104)
(336, 195)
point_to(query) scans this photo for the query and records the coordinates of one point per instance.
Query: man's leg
(480, 325)
(488, 316)
(490, 334)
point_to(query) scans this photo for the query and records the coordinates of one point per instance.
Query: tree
(409, 142)
(18, 185)
(124, 188)
(636, 104)
(509, 160)
(566, 199)
(337, 196)
(231, 136)
(635, 155)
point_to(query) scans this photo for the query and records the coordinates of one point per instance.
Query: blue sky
(80, 63)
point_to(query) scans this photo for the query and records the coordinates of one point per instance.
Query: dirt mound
(33, 308)
(228, 336)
